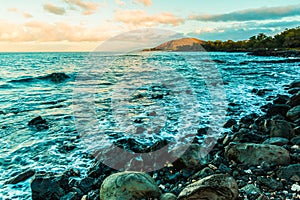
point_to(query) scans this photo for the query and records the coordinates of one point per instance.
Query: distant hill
(183, 44)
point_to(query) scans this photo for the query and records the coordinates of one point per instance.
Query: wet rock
(276, 141)
(70, 196)
(278, 109)
(245, 135)
(168, 196)
(248, 119)
(250, 189)
(46, 187)
(294, 100)
(294, 84)
(281, 99)
(21, 177)
(86, 184)
(129, 185)
(38, 123)
(191, 157)
(49, 186)
(289, 171)
(230, 123)
(297, 130)
(218, 186)
(294, 90)
(294, 113)
(57, 77)
(270, 183)
(296, 140)
(207, 171)
(256, 154)
(281, 128)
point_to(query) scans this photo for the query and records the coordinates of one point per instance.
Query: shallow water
(161, 90)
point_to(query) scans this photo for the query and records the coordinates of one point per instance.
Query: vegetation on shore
(287, 40)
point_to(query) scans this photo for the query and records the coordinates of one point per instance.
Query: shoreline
(269, 168)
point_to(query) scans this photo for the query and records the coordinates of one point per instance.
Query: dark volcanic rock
(21, 177)
(294, 84)
(276, 141)
(256, 154)
(294, 100)
(230, 123)
(38, 123)
(57, 77)
(269, 183)
(48, 186)
(294, 113)
(281, 128)
(276, 109)
(289, 171)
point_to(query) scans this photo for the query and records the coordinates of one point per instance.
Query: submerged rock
(215, 187)
(294, 84)
(256, 154)
(57, 77)
(129, 185)
(38, 123)
(21, 177)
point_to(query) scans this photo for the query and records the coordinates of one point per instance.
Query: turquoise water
(27, 92)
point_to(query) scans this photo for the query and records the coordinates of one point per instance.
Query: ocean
(148, 97)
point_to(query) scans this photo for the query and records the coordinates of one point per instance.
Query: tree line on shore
(286, 40)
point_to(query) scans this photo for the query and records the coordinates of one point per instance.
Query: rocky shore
(257, 158)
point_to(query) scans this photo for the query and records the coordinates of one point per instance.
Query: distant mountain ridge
(183, 44)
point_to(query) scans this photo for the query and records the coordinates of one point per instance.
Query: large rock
(21, 177)
(215, 187)
(276, 109)
(48, 186)
(289, 171)
(295, 84)
(191, 157)
(294, 113)
(294, 100)
(129, 185)
(256, 154)
(168, 196)
(281, 128)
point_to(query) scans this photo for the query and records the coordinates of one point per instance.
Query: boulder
(294, 113)
(191, 158)
(294, 100)
(278, 109)
(168, 196)
(296, 140)
(215, 187)
(294, 84)
(129, 185)
(230, 123)
(281, 128)
(256, 154)
(289, 171)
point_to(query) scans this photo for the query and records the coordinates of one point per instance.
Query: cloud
(54, 9)
(37, 31)
(25, 14)
(145, 2)
(120, 2)
(242, 30)
(88, 8)
(140, 18)
(265, 13)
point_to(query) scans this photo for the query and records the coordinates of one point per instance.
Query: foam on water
(23, 148)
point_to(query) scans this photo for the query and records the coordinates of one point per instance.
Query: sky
(81, 25)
